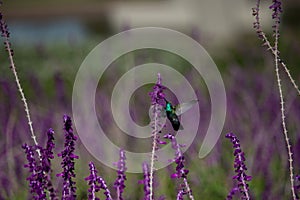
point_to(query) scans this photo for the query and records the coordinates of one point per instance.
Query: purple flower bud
(240, 169)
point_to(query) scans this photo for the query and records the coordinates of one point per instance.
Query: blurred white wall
(217, 20)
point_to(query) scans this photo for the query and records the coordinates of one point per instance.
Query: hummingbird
(173, 112)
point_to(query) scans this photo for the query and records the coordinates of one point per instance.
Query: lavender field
(254, 115)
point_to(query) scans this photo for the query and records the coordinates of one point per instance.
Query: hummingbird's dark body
(173, 112)
(172, 117)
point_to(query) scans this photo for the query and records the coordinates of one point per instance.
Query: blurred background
(59, 21)
(52, 38)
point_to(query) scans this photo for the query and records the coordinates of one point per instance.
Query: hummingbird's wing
(182, 108)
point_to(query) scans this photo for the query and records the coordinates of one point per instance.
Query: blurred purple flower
(240, 169)
(157, 95)
(256, 23)
(158, 140)
(68, 156)
(276, 8)
(181, 172)
(119, 183)
(96, 183)
(146, 181)
(232, 193)
(162, 197)
(3, 26)
(180, 195)
(297, 186)
(6, 34)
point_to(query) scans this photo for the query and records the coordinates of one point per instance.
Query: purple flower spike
(36, 181)
(5, 34)
(276, 12)
(146, 181)
(157, 95)
(276, 8)
(119, 183)
(68, 156)
(240, 169)
(92, 181)
(40, 179)
(103, 186)
(181, 171)
(96, 183)
(47, 155)
(3, 27)
(157, 101)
